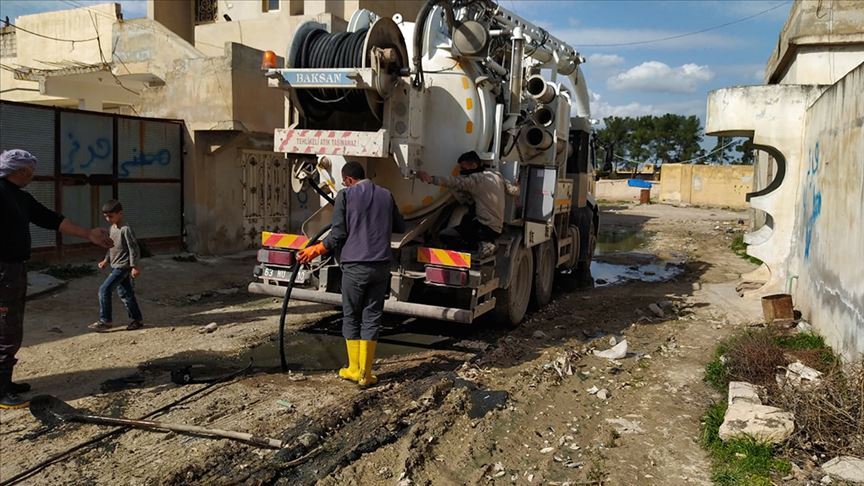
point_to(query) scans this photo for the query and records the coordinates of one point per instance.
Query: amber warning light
(268, 60)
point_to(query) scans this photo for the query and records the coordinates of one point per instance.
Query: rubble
(212, 327)
(616, 352)
(746, 416)
(798, 374)
(603, 394)
(845, 468)
(804, 327)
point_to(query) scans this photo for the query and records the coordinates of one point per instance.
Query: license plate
(282, 274)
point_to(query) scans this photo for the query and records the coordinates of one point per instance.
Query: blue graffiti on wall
(161, 157)
(99, 150)
(812, 199)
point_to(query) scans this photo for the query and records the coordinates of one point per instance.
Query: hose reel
(379, 47)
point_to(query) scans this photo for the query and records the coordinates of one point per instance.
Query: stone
(826, 479)
(212, 327)
(656, 310)
(761, 422)
(743, 392)
(593, 390)
(603, 394)
(845, 468)
(615, 352)
(308, 439)
(804, 327)
(546, 450)
(799, 374)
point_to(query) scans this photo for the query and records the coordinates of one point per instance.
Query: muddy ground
(456, 404)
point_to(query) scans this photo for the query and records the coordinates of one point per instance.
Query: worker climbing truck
(400, 97)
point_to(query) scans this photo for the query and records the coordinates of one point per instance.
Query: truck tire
(544, 273)
(512, 303)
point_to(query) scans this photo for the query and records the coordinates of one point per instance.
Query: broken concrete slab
(615, 352)
(798, 374)
(761, 422)
(743, 392)
(39, 283)
(846, 468)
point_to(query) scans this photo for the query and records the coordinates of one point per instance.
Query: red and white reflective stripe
(331, 142)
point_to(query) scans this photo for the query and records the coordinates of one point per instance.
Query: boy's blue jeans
(120, 278)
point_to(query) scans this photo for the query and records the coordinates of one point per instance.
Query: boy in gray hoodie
(123, 258)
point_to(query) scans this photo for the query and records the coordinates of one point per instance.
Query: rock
(666, 305)
(845, 468)
(593, 390)
(539, 335)
(743, 392)
(546, 450)
(624, 426)
(656, 310)
(308, 439)
(209, 328)
(761, 422)
(616, 352)
(804, 327)
(799, 374)
(826, 479)
(603, 394)
(696, 286)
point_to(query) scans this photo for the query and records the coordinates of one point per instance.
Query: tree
(748, 152)
(653, 139)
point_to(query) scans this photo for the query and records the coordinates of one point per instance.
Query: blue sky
(671, 76)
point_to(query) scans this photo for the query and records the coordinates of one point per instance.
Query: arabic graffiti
(100, 149)
(812, 199)
(161, 157)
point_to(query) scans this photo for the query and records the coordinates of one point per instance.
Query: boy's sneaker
(134, 325)
(99, 326)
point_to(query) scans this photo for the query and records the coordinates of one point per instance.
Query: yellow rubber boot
(352, 372)
(367, 357)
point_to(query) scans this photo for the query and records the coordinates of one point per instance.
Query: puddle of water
(611, 273)
(617, 240)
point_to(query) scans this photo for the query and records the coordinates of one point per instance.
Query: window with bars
(206, 11)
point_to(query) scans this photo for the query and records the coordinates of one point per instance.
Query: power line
(683, 161)
(43, 35)
(678, 36)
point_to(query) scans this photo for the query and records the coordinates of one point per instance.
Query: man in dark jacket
(364, 217)
(17, 210)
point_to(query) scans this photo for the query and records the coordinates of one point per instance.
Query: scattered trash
(209, 328)
(593, 390)
(616, 352)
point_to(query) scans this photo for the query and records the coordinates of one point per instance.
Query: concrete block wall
(828, 268)
(706, 185)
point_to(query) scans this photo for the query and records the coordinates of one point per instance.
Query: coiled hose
(320, 49)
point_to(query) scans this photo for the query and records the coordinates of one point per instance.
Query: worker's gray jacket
(486, 189)
(364, 217)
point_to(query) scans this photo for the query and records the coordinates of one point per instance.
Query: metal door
(265, 183)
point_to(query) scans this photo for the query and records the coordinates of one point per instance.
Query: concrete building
(192, 60)
(809, 180)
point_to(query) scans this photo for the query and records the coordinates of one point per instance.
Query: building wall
(706, 185)
(618, 190)
(829, 237)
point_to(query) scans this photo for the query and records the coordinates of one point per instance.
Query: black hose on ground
(283, 363)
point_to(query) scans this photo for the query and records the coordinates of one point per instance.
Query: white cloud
(657, 76)
(600, 109)
(605, 60)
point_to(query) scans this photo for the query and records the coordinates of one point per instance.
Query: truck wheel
(544, 273)
(512, 302)
(585, 260)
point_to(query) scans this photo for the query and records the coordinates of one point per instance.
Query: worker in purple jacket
(364, 217)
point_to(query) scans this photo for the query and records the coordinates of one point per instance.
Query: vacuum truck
(401, 97)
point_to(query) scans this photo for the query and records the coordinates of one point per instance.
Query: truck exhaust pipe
(543, 116)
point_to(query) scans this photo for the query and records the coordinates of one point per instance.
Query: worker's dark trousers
(364, 287)
(468, 234)
(13, 290)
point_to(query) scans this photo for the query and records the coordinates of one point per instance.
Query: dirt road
(456, 404)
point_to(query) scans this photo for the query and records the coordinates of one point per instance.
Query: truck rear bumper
(391, 306)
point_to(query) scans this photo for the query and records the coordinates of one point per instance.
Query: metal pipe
(516, 71)
(496, 138)
(538, 88)
(495, 67)
(543, 116)
(392, 306)
(538, 139)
